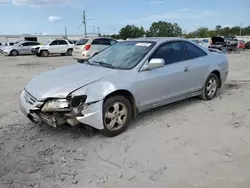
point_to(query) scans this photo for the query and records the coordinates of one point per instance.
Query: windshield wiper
(104, 64)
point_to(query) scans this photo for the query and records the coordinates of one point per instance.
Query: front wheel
(117, 114)
(45, 53)
(211, 87)
(69, 52)
(14, 53)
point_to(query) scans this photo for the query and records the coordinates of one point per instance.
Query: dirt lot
(192, 143)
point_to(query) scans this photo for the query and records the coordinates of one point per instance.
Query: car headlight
(56, 105)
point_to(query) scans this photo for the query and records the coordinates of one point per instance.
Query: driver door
(24, 48)
(154, 87)
(53, 47)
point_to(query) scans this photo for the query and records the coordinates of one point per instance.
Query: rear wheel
(45, 53)
(211, 87)
(13, 53)
(117, 114)
(69, 52)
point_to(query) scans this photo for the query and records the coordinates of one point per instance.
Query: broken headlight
(56, 105)
(78, 101)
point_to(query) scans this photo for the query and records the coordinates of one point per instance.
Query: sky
(52, 16)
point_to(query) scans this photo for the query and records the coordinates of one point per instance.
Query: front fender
(96, 91)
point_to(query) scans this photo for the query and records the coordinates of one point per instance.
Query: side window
(62, 42)
(112, 42)
(193, 51)
(171, 52)
(32, 43)
(25, 44)
(95, 41)
(104, 42)
(53, 43)
(70, 42)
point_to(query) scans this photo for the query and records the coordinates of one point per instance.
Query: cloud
(54, 19)
(174, 15)
(4, 2)
(39, 2)
(156, 1)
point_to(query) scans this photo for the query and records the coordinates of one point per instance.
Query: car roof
(96, 38)
(158, 39)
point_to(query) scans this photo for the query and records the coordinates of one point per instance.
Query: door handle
(185, 69)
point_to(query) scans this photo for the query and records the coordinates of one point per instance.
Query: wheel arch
(128, 95)
(14, 50)
(217, 73)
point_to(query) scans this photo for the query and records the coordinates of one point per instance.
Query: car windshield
(17, 44)
(46, 43)
(123, 55)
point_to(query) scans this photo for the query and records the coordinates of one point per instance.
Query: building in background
(39, 38)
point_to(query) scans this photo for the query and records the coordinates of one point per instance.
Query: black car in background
(219, 44)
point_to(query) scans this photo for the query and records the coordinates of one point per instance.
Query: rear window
(82, 41)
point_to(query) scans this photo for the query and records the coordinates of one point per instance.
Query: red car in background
(241, 44)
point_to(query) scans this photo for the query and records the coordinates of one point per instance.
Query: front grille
(29, 99)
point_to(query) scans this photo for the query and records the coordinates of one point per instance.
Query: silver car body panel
(22, 50)
(149, 88)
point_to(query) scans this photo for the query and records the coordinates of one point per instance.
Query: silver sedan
(20, 48)
(123, 80)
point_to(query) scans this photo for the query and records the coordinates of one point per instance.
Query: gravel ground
(192, 143)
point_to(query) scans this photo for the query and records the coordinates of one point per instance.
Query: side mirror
(153, 64)
(20, 45)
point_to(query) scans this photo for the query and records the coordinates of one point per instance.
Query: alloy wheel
(116, 116)
(211, 87)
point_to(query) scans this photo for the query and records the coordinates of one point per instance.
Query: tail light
(87, 47)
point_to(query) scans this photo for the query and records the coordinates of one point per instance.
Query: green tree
(177, 30)
(218, 29)
(164, 29)
(131, 31)
(202, 32)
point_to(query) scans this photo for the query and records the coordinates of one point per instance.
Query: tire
(69, 52)
(80, 61)
(45, 53)
(209, 95)
(38, 55)
(63, 54)
(14, 53)
(117, 114)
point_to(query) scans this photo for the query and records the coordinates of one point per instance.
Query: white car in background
(55, 46)
(85, 48)
(205, 43)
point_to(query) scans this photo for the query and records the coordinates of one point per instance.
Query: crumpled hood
(58, 83)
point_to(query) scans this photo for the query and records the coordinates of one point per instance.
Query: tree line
(167, 29)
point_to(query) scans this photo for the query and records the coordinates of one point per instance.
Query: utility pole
(241, 27)
(84, 23)
(66, 35)
(98, 30)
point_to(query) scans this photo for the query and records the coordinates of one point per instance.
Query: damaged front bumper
(90, 114)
